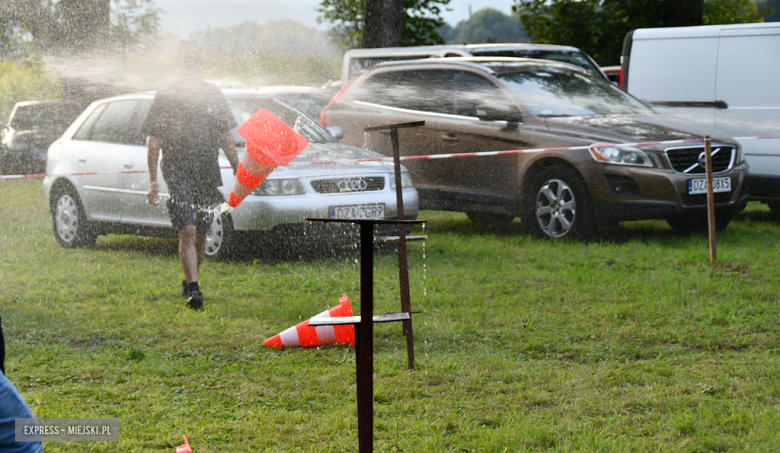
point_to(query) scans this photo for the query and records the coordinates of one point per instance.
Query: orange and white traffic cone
(303, 335)
(270, 143)
(184, 448)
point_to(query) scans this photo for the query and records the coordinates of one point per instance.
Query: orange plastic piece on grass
(184, 448)
(305, 336)
(270, 143)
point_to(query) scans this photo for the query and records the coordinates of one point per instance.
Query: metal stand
(403, 264)
(364, 328)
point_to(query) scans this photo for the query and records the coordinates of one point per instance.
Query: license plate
(696, 186)
(364, 211)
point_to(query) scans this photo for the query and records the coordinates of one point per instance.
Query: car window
(48, 115)
(571, 57)
(86, 128)
(471, 93)
(137, 138)
(383, 88)
(244, 108)
(549, 92)
(113, 125)
(422, 90)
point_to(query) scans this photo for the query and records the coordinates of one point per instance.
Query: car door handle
(128, 165)
(449, 137)
(82, 160)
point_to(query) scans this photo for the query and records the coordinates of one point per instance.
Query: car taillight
(620, 84)
(322, 112)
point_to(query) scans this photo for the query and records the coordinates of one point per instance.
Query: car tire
(69, 220)
(557, 205)
(222, 240)
(489, 218)
(699, 223)
(774, 207)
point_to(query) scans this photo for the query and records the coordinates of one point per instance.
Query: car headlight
(740, 157)
(276, 187)
(406, 180)
(620, 155)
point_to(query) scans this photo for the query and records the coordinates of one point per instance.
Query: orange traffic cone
(184, 448)
(270, 143)
(303, 335)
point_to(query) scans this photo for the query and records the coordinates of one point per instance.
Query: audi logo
(352, 185)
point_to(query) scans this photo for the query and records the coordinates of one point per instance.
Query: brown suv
(471, 106)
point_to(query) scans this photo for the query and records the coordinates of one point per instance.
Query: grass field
(636, 344)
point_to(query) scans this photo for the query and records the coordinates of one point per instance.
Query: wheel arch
(538, 166)
(61, 184)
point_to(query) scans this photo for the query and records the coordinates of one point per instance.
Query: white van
(718, 79)
(356, 60)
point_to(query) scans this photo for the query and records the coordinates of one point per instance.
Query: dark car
(473, 106)
(31, 128)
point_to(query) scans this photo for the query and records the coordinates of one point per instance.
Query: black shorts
(195, 207)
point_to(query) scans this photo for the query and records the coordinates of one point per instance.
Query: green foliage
(281, 69)
(276, 37)
(634, 344)
(770, 9)
(135, 24)
(599, 26)
(59, 25)
(718, 12)
(25, 81)
(489, 25)
(422, 19)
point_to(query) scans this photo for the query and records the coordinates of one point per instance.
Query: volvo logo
(352, 185)
(703, 157)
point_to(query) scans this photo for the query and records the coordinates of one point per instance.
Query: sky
(182, 17)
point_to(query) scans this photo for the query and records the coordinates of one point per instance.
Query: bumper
(639, 194)
(286, 215)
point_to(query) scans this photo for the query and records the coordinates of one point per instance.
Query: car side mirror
(489, 113)
(335, 131)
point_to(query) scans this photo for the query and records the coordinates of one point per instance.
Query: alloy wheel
(556, 208)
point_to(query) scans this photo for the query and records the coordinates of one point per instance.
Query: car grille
(686, 160)
(346, 185)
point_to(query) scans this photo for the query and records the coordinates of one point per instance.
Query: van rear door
(747, 74)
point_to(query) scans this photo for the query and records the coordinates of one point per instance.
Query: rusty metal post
(710, 198)
(403, 263)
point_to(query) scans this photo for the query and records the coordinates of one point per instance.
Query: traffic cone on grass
(303, 335)
(270, 143)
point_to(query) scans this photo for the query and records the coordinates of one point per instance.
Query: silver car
(98, 180)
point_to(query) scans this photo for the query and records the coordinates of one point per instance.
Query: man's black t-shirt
(189, 117)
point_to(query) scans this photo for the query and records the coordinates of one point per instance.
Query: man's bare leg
(200, 245)
(188, 253)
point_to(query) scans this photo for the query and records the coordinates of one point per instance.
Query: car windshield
(564, 56)
(244, 108)
(550, 92)
(45, 116)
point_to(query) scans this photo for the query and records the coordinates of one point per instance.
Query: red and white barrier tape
(442, 156)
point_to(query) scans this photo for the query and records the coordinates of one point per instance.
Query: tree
(65, 26)
(770, 9)
(490, 25)
(421, 21)
(134, 24)
(599, 27)
(383, 23)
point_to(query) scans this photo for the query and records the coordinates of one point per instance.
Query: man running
(189, 120)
